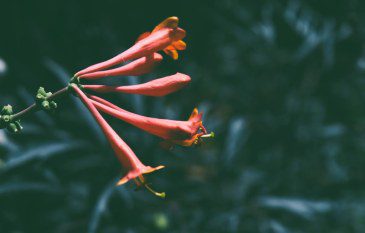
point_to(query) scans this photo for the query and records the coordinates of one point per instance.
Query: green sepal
(74, 81)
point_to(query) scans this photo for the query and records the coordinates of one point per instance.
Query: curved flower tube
(130, 162)
(137, 67)
(161, 39)
(184, 133)
(156, 87)
(105, 102)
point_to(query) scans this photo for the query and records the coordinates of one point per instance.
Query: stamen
(197, 141)
(161, 194)
(211, 135)
(202, 128)
(142, 180)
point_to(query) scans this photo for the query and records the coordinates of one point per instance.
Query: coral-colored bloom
(137, 67)
(171, 50)
(157, 87)
(130, 162)
(184, 133)
(166, 36)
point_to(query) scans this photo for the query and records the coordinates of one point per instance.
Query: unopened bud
(42, 91)
(6, 118)
(18, 125)
(7, 110)
(53, 105)
(12, 128)
(45, 105)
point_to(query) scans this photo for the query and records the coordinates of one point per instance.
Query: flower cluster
(143, 56)
(7, 121)
(43, 101)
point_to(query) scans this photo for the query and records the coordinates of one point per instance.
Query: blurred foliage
(280, 82)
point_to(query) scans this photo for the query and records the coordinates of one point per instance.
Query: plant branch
(35, 108)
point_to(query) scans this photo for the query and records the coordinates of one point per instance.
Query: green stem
(34, 108)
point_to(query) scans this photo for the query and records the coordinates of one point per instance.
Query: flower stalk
(34, 107)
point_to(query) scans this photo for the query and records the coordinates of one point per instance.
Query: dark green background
(280, 82)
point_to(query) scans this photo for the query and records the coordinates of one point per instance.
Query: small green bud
(7, 110)
(53, 105)
(18, 125)
(45, 105)
(42, 100)
(42, 91)
(39, 96)
(13, 128)
(6, 118)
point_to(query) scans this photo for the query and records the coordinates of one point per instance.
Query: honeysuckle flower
(171, 50)
(137, 67)
(184, 133)
(157, 87)
(105, 102)
(166, 36)
(130, 162)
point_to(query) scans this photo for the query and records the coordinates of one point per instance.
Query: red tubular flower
(140, 66)
(171, 50)
(157, 87)
(105, 102)
(123, 152)
(166, 36)
(184, 133)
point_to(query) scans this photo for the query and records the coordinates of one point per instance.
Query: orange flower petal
(179, 45)
(177, 34)
(194, 113)
(135, 173)
(152, 169)
(188, 142)
(170, 22)
(170, 47)
(172, 53)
